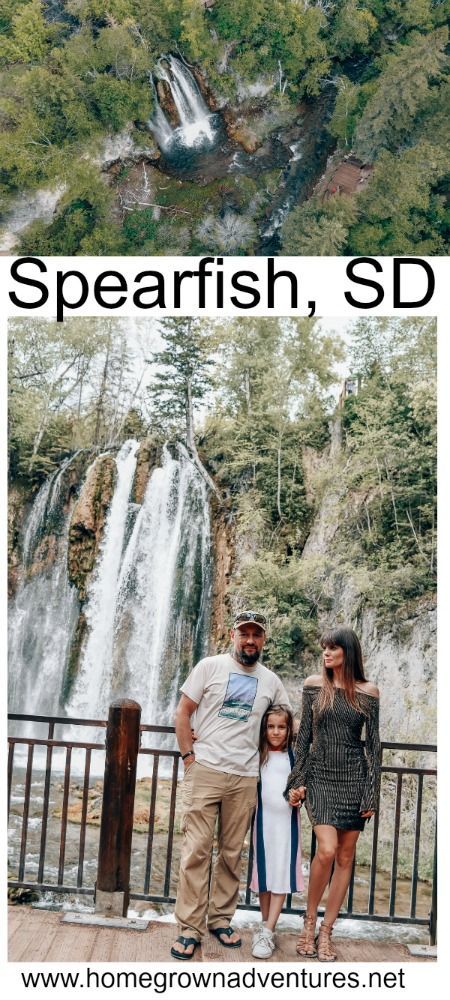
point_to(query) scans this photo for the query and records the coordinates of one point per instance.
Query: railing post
(433, 913)
(112, 892)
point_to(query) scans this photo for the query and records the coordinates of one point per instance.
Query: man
(229, 694)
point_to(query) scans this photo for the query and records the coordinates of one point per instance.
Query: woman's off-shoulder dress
(341, 775)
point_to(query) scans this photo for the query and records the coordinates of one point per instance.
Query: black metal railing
(54, 842)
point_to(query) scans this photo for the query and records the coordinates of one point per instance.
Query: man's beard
(246, 658)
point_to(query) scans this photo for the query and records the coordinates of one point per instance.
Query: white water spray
(196, 126)
(164, 587)
(91, 696)
(43, 613)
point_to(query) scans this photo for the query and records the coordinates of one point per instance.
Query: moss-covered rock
(88, 519)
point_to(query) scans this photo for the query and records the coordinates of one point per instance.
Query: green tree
(403, 90)
(181, 379)
(400, 211)
(29, 37)
(351, 30)
(346, 110)
(319, 227)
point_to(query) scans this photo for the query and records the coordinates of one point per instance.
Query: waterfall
(45, 505)
(196, 126)
(45, 608)
(164, 588)
(92, 691)
(148, 605)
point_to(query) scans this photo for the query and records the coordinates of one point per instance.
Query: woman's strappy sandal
(305, 942)
(323, 941)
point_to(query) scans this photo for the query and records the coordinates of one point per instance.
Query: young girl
(277, 867)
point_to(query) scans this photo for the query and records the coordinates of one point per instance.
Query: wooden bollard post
(112, 891)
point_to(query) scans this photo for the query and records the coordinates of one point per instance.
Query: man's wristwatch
(190, 753)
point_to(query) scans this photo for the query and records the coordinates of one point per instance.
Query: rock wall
(223, 560)
(147, 459)
(16, 504)
(88, 520)
(400, 656)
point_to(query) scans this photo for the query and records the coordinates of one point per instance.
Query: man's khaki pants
(207, 793)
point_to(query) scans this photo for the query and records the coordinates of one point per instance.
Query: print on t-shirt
(239, 697)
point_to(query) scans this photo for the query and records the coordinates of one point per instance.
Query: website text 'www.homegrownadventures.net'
(163, 982)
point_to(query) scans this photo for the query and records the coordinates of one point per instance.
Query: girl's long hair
(352, 669)
(263, 744)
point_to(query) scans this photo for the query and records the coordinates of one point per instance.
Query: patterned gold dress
(341, 775)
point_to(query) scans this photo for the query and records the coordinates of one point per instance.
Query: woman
(337, 779)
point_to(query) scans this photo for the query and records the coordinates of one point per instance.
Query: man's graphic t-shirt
(231, 703)
(239, 697)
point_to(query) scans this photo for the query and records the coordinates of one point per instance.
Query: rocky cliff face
(223, 561)
(148, 458)
(399, 655)
(88, 520)
(167, 102)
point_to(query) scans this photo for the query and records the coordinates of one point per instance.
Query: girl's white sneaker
(263, 943)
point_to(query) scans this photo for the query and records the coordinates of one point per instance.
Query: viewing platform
(37, 935)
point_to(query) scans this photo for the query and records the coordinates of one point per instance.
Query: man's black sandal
(228, 931)
(185, 941)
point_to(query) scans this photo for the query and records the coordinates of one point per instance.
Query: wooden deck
(40, 936)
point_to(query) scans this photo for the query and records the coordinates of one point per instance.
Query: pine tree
(182, 378)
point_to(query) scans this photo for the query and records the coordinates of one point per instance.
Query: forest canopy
(74, 72)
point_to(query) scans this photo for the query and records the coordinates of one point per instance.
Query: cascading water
(148, 606)
(197, 125)
(45, 609)
(164, 588)
(92, 691)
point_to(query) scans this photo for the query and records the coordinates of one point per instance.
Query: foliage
(402, 92)
(65, 84)
(181, 375)
(390, 435)
(319, 228)
(70, 386)
(402, 211)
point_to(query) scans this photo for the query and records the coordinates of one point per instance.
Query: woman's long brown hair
(263, 744)
(352, 669)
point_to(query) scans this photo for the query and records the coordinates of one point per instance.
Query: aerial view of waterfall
(303, 127)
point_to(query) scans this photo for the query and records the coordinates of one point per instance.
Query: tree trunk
(39, 434)
(101, 397)
(279, 480)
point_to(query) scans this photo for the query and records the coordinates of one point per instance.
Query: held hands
(297, 795)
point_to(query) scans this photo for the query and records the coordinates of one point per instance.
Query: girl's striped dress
(277, 853)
